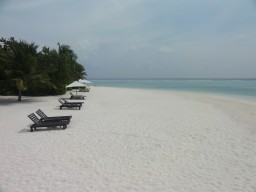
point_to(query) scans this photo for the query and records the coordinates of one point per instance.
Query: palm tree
(71, 70)
(19, 62)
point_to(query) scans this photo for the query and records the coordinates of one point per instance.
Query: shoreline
(127, 139)
(245, 87)
(234, 97)
(225, 102)
(246, 97)
(187, 92)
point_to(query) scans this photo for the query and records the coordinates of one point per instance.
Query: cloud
(15, 5)
(142, 37)
(163, 50)
(87, 45)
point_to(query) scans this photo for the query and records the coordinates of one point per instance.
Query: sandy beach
(131, 140)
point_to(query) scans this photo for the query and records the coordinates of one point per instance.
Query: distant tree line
(25, 70)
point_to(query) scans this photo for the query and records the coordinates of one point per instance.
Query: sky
(142, 38)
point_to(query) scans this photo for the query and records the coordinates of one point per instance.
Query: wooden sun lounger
(69, 104)
(39, 123)
(73, 102)
(44, 117)
(78, 97)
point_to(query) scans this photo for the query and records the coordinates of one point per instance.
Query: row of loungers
(55, 121)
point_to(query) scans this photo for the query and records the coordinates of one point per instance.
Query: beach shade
(84, 81)
(76, 85)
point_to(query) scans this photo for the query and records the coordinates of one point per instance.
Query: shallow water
(240, 87)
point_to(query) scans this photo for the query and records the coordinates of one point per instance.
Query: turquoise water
(242, 87)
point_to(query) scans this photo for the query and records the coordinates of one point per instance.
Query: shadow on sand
(13, 100)
(27, 130)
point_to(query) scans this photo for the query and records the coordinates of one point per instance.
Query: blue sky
(142, 38)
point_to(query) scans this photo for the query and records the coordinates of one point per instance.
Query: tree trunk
(19, 97)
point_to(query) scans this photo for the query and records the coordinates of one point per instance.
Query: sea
(236, 87)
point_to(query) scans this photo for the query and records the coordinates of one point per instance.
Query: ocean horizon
(227, 86)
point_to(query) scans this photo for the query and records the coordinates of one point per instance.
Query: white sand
(125, 140)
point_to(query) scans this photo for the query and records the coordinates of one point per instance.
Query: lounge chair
(84, 89)
(73, 102)
(44, 117)
(78, 97)
(39, 123)
(69, 104)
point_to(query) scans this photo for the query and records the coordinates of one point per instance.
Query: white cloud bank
(143, 38)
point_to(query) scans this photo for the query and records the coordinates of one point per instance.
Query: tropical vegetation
(26, 71)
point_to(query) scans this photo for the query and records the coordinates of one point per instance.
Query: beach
(131, 140)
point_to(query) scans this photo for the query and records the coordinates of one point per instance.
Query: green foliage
(8, 87)
(42, 73)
